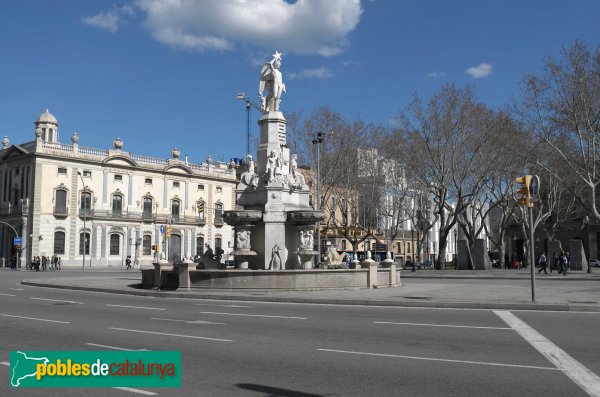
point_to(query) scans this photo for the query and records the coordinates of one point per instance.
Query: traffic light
(524, 190)
(18, 248)
(167, 231)
(153, 247)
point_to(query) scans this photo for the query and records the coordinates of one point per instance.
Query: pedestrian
(555, 263)
(13, 263)
(564, 263)
(543, 263)
(128, 262)
(44, 263)
(58, 263)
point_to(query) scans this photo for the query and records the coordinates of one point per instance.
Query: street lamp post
(586, 223)
(85, 209)
(317, 139)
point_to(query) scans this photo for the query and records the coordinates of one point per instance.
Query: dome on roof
(46, 117)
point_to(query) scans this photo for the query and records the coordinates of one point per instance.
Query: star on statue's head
(277, 56)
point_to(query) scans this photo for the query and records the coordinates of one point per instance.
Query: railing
(201, 220)
(15, 209)
(61, 211)
(219, 220)
(93, 151)
(147, 216)
(85, 212)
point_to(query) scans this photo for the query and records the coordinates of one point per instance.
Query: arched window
(175, 204)
(60, 201)
(50, 132)
(147, 245)
(199, 245)
(84, 240)
(43, 134)
(117, 204)
(85, 206)
(408, 248)
(115, 244)
(59, 242)
(218, 243)
(399, 247)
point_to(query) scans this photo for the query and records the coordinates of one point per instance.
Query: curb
(333, 301)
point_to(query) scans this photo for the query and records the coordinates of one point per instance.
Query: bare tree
(562, 107)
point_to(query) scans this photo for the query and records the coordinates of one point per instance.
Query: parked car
(595, 262)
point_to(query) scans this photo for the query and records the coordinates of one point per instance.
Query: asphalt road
(266, 349)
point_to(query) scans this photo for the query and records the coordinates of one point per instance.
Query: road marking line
(187, 321)
(7, 294)
(438, 359)
(253, 315)
(37, 319)
(165, 334)
(581, 375)
(148, 393)
(114, 347)
(4, 363)
(17, 289)
(236, 306)
(441, 325)
(56, 300)
(137, 307)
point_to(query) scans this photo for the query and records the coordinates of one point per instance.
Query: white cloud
(110, 20)
(436, 74)
(318, 73)
(302, 27)
(480, 71)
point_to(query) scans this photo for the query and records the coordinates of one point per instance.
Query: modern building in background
(107, 205)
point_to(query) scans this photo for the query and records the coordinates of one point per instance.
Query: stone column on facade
(103, 248)
(105, 186)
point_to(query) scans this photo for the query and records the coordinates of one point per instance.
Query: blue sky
(165, 73)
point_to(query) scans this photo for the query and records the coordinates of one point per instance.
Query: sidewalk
(493, 289)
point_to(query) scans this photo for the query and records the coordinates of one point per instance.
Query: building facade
(107, 205)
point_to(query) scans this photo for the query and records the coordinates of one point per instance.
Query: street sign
(534, 188)
(162, 229)
(17, 241)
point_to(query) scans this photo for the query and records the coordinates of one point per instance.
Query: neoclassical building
(73, 201)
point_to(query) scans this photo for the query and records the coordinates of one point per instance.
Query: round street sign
(162, 229)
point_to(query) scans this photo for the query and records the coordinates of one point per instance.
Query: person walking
(128, 262)
(543, 263)
(564, 263)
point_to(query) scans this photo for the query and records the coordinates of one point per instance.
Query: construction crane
(249, 104)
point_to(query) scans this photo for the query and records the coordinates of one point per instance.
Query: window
(147, 208)
(115, 244)
(201, 213)
(218, 213)
(60, 202)
(86, 203)
(50, 131)
(148, 181)
(147, 245)
(218, 243)
(84, 239)
(117, 204)
(176, 185)
(201, 187)
(118, 177)
(59, 243)
(199, 245)
(399, 247)
(87, 173)
(62, 171)
(344, 245)
(175, 209)
(408, 248)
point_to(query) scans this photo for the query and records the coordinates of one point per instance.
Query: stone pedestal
(462, 262)
(370, 264)
(183, 271)
(480, 256)
(159, 267)
(388, 261)
(578, 261)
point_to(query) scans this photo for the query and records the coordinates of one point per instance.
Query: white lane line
(235, 306)
(440, 325)
(56, 300)
(165, 334)
(253, 315)
(187, 321)
(137, 307)
(114, 347)
(581, 375)
(4, 363)
(17, 289)
(7, 294)
(437, 359)
(147, 393)
(33, 318)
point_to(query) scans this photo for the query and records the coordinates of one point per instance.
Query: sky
(161, 74)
